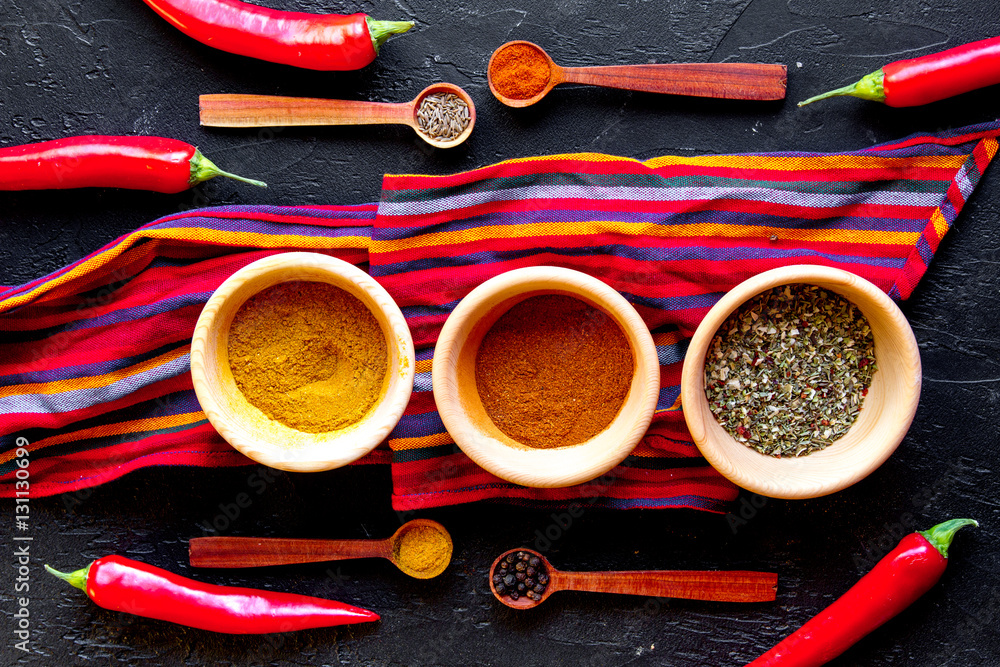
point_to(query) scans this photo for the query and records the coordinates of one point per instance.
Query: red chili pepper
(121, 584)
(138, 163)
(896, 581)
(909, 83)
(312, 41)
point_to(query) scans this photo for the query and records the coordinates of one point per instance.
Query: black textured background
(114, 67)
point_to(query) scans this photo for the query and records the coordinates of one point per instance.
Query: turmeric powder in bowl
(308, 355)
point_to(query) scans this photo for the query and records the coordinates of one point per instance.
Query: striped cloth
(93, 358)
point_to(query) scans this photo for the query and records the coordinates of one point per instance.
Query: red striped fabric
(672, 235)
(94, 375)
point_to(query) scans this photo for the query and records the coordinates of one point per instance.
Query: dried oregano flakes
(786, 374)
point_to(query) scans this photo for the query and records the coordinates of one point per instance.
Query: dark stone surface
(112, 66)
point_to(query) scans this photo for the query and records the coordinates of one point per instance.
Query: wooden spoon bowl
(719, 586)
(225, 110)
(738, 81)
(265, 551)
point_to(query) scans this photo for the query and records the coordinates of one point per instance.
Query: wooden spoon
(263, 551)
(275, 111)
(737, 81)
(731, 586)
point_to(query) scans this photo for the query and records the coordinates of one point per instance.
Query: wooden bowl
(248, 429)
(461, 408)
(885, 415)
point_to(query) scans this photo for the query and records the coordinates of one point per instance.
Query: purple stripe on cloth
(266, 227)
(418, 426)
(77, 399)
(544, 215)
(809, 200)
(86, 370)
(671, 354)
(138, 312)
(667, 398)
(361, 212)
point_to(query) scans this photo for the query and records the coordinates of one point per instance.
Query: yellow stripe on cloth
(990, 146)
(213, 236)
(940, 224)
(561, 157)
(759, 162)
(668, 338)
(433, 440)
(809, 162)
(119, 428)
(673, 408)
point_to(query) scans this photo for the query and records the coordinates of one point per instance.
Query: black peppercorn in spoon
(514, 590)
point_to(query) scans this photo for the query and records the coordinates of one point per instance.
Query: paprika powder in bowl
(302, 362)
(788, 446)
(545, 377)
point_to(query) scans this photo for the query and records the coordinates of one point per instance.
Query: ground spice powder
(423, 548)
(553, 371)
(519, 72)
(308, 355)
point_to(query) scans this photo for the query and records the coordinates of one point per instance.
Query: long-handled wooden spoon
(402, 549)
(731, 586)
(737, 81)
(275, 111)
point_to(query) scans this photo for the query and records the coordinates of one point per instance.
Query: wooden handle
(732, 586)
(735, 81)
(275, 111)
(262, 551)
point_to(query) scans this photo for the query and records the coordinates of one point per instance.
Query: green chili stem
(869, 87)
(203, 169)
(941, 535)
(78, 578)
(382, 30)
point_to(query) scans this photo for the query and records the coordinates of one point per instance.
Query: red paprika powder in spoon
(519, 71)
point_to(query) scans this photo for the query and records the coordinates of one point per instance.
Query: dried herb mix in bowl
(786, 373)
(308, 355)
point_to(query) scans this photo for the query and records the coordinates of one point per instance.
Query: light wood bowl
(461, 408)
(248, 429)
(886, 413)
